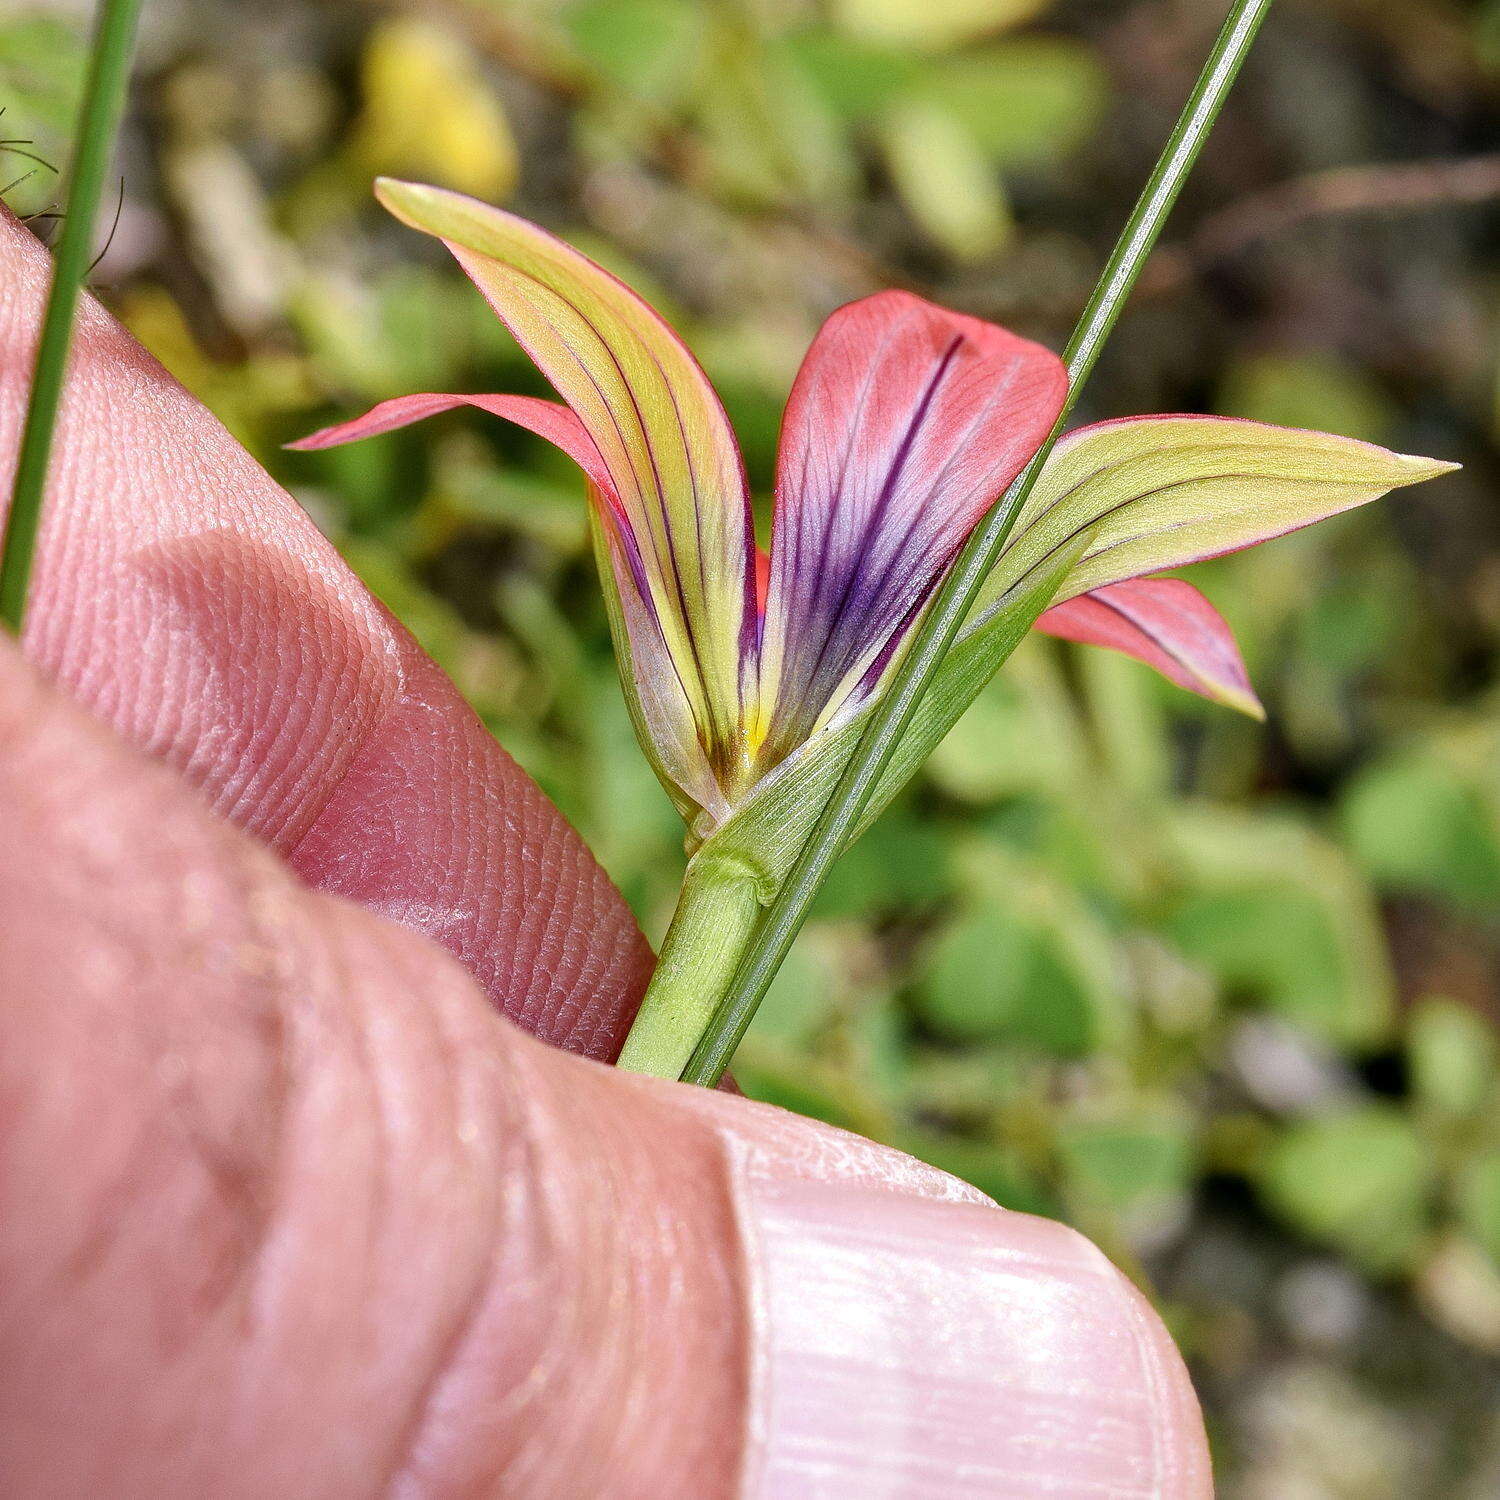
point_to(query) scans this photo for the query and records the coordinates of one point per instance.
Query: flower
(905, 424)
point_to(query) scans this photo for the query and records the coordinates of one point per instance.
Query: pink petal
(651, 685)
(905, 424)
(1168, 625)
(547, 419)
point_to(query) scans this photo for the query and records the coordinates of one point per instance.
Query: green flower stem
(940, 625)
(716, 916)
(99, 117)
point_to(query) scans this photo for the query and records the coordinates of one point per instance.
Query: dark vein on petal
(878, 512)
(837, 476)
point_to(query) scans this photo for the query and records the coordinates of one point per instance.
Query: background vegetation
(1223, 995)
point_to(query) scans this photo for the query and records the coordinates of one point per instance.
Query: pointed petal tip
(1427, 468)
(400, 196)
(322, 438)
(440, 212)
(459, 220)
(335, 435)
(1242, 700)
(1169, 625)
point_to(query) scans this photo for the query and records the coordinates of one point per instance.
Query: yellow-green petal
(1160, 492)
(659, 427)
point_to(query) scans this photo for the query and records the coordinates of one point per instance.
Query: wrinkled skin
(288, 1206)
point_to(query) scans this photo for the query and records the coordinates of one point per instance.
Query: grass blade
(98, 119)
(941, 623)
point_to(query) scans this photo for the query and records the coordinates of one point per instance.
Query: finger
(285, 1208)
(186, 599)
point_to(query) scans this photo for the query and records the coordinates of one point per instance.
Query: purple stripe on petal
(905, 424)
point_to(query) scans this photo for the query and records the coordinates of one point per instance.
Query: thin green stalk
(715, 918)
(940, 625)
(98, 119)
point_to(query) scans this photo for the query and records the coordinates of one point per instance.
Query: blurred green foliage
(1223, 995)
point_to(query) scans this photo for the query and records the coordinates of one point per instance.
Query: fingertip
(921, 1347)
(182, 596)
